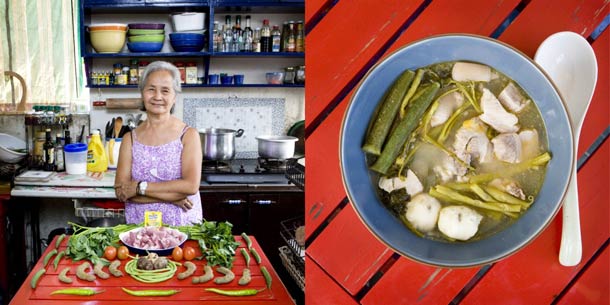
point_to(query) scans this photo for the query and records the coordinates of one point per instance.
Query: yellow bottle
(97, 161)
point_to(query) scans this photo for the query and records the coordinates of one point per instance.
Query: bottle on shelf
(217, 37)
(133, 72)
(300, 37)
(284, 41)
(97, 161)
(227, 36)
(266, 37)
(60, 165)
(38, 148)
(248, 36)
(67, 138)
(256, 41)
(238, 38)
(291, 40)
(49, 152)
(276, 38)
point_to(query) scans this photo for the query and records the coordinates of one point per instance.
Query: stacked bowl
(107, 37)
(146, 37)
(189, 32)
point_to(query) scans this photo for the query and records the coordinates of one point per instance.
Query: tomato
(122, 252)
(177, 254)
(189, 253)
(110, 253)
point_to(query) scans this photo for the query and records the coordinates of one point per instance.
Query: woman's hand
(126, 190)
(185, 204)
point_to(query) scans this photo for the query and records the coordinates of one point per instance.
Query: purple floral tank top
(156, 164)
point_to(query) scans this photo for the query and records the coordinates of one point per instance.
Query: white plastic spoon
(570, 62)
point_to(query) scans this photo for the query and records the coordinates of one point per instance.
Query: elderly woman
(159, 166)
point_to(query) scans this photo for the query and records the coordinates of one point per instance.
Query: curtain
(40, 43)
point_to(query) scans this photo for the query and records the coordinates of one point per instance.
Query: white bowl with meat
(160, 240)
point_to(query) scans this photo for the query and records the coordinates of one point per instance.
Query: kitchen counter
(189, 293)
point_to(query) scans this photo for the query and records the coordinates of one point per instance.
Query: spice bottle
(266, 37)
(300, 37)
(49, 152)
(38, 148)
(289, 75)
(276, 39)
(133, 72)
(180, 66)
(191, 73)
(59, 154)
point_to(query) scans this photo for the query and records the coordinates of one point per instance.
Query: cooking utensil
(82, 134)
(361, 184)
(298, 130)
(218, 143)
(570, 62)
(276, 147)
(118, 124)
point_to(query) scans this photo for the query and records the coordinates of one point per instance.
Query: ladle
(570, 62)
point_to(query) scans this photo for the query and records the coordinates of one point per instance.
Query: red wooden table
(189, 293)
(346, 264)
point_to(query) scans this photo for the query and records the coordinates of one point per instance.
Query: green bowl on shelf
(134, 32)
(147, 38)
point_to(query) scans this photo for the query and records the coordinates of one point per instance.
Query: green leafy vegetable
(216, 241)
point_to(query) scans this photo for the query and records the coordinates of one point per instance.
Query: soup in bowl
(446, 151)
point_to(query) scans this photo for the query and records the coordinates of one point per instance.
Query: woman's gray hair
(161, 66)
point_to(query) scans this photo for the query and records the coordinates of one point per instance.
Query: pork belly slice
(410, 183)
(507, 147)
(446, 106)
(466, 71)
(512, 99)
(471, 139)
(495, 115)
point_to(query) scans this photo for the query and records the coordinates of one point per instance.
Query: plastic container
(113, 147)
(97, 161)
(188, 21)
(76, 158)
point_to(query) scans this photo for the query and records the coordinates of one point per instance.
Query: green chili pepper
(48, 257)
(246, 256)
(150, 293)
(257, 258)
(36, 277)
(247, 239)
(267, 277)
(234, 293)
(77, 291)
(59, 239)
(58, 258)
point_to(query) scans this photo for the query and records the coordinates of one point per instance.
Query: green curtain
(40, 43)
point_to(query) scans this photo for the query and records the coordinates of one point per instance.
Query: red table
(189, 293)
(346, 264)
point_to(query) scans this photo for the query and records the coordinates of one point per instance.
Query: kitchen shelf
(207, 86)
(194, 54)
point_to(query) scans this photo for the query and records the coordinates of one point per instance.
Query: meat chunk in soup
(495, 115)
(410, 183)
(466, 71)
(471, 139)
(507, 147)
(446, 106)
(512, 98)
(509, 186)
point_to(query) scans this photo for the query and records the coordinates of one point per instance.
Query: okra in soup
(458, 150)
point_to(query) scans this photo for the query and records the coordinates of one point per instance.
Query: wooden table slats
(322, 289)
(592, 287)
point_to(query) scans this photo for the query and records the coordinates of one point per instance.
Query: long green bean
(514, 169)
(494, 206)
(419, 74)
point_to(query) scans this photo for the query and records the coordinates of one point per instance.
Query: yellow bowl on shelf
(109, 41)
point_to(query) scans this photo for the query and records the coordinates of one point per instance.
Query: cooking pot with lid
(218, 144)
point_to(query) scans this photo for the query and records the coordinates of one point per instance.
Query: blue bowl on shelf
(180, 36)
(226, 79)
(145, 46)
(186, 46)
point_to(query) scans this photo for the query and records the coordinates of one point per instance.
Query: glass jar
(191, 73)
(38, 148)
(300, 75)
(289, 75)
(180, 66)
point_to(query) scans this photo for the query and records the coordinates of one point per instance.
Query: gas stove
(245, 171)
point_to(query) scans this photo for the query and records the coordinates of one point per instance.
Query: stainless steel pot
(276, 147)
(218, 144)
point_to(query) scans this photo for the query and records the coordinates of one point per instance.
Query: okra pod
(386, 112)
(58, 258)
(247, 240)
(257, 257)
(47, 257)
(267, 276)
(246, 256)
(36, 277)
(403, 130)
(59, 239)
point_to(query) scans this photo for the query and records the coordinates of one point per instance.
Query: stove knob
(241, 169)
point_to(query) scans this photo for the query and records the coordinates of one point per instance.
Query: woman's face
(158, 94)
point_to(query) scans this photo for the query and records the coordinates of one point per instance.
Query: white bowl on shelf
(190, 21)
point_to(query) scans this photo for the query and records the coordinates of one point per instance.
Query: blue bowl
(145, 46)
(361, 184)
(186, 47)
(178, 36)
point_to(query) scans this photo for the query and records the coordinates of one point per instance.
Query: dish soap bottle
(97, 161)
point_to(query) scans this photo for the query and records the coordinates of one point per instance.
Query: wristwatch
(141, 189)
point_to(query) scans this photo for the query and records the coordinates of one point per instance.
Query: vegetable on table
(190, 269)
(257, 257)
(97, 269)
(36, 277)
(58, 258)
(189, 253)
(82, 274)
(246, 256)
(227, 278)
(122, 253)
(150, 276)
(207, 276)
(114, 268)
(47, 257)
(246, 238)
(150, 292)
(386, 113)
(90, 242)
(233, 293)
(216, 241)
(245, 278)
(77, 291)
(110, 252)
(63, 276)
(59, 240)
(177, 254)
(267, 276)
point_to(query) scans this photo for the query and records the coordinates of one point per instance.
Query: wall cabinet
(208, 61)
